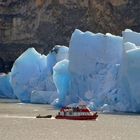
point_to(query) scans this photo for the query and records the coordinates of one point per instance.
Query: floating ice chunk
(6, 90)
(131, 36)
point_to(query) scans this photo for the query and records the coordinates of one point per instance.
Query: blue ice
(94, 62)
(61, 79)
(33, 72)
(103, 70)
(6, 90)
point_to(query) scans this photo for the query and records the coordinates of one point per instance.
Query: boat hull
(92, 117)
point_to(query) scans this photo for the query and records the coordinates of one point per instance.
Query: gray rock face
(45, 23)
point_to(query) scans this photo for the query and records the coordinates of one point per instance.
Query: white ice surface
(131, 36)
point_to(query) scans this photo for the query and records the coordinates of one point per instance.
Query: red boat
(77, 113)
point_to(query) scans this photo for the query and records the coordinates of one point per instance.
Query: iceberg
(27, 74)
(101, 70)
(94, 62)
(91, 72)
(33, 72)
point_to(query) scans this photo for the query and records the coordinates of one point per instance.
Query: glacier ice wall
(94, 61)
(101, 69)
(94, 64)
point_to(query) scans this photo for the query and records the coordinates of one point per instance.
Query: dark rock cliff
(45, 23)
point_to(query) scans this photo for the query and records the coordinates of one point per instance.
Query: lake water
(18, 122)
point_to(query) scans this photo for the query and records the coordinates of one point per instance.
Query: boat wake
(22, 117)
(17, 117)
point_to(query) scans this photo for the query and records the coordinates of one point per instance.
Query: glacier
(101, 70)
(94, 63)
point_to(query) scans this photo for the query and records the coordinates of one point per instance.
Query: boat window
(70, 113)
(64, 113)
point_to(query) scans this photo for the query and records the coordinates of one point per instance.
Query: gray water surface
(18, 122)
